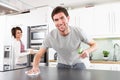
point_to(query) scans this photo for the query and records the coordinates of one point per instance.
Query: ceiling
(13, 6)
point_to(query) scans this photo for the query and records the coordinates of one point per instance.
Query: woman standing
(18, 48)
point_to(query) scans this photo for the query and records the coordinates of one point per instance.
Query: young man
(66, 40)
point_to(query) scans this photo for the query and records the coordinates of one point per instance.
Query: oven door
(38, 36)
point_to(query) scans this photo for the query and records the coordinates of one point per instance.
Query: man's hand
(34, 70)
(84, 54)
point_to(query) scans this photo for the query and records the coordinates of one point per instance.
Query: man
(66, 40)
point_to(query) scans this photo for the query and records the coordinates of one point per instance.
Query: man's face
(61, 21)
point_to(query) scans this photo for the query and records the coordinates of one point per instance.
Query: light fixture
(8, 6)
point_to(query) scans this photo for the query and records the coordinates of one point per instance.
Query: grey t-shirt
(66, 46)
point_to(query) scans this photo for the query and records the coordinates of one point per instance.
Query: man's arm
(93, 47)
(37, 58)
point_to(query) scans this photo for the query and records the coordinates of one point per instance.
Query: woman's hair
(13, 31)
(58, 10)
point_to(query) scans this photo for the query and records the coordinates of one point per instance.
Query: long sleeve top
(19, 56)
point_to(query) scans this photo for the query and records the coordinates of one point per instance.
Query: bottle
(80, 50)
(84, 60)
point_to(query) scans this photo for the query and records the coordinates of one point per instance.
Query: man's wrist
(35, 65)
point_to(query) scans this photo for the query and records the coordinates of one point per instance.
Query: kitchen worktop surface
(98, 61)
(52, 73)
(104, 62)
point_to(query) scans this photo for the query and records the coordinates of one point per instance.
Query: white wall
(2, 38)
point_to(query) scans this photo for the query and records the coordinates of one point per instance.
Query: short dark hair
(59, 9)
(14, 29)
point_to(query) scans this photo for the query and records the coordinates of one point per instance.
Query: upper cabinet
(115, 17)
(101, 21)
(106, 20)
(98, 21)
(40, 16)
(82, 18)
(35, 17)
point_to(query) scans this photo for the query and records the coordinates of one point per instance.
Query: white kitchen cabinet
(100, 66)
(115, 13)
(106, 20)
(94, 20)
(53, 64)
(35, 17)
(99, 21)
(39, 16)
(83, 18)
(114, 67)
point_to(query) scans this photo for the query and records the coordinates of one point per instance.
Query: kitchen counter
(98, 62)
(104, 62)
(52, 73)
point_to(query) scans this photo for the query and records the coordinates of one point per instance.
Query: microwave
(37, 33)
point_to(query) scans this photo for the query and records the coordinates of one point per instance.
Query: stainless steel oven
(36, 35)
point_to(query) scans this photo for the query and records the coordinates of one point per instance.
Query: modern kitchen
(98, 18)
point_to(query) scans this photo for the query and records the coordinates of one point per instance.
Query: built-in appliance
(36, 35)
(7, 58)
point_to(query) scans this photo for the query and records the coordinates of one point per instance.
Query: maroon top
(22, 47)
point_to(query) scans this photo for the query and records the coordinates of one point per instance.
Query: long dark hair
(14, 29)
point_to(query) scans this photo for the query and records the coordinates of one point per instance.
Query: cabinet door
(83, 18)
(118, 67)
(117, 22)
(94, 20)
(101, 21)
(107, 20)
(101, 66)
(72, 14)
(38, 16)
(116, 14)
(98, 21)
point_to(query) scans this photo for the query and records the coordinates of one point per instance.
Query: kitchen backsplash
(105, 44)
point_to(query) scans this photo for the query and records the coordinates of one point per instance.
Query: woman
(18, 48)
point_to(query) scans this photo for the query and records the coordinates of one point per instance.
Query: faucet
(114, 55)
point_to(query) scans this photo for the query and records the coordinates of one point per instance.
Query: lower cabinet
(113, 67)
(52, 64)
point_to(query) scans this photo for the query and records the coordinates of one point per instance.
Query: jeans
(79, 66)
